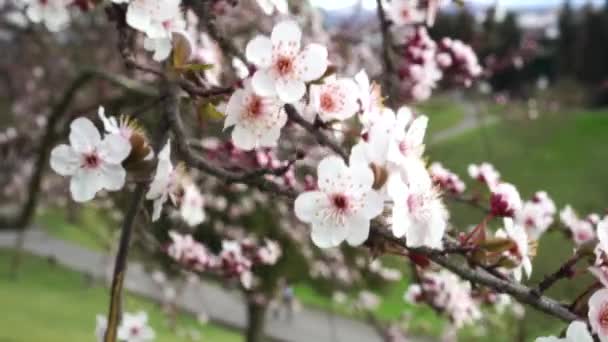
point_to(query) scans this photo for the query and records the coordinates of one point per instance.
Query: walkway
(223, 306)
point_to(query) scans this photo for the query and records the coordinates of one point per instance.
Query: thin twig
(387, 41)
(321, 138)
(564, 271)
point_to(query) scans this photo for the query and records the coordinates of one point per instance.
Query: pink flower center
(91, 161)
(255, 106)
(135, 331)
(327, 102)
(404, 147)
(603, 317)
(414, 202)
(583, 236)
(406, 13)
(340, 202)
(284, 65)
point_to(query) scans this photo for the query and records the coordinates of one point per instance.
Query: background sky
(337, 4)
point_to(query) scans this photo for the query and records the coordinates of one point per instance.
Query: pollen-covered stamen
(327, 102)
(135, 331)
(91, 161)
(284, 65)
(340, 202)
(254, 106)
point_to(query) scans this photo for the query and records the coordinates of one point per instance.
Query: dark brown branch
(321, 138)
(564, 271)
(480, 276)
(120, 264)
(387, 41)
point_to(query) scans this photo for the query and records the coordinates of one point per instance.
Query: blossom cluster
(235, 260)
(445, 291)
(97, 163)
(582, 229)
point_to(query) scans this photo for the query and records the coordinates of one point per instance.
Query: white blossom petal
(84, 136)
(259, 51)
(64, 160)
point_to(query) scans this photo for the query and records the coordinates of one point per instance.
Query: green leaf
(208, 111)
(194, 67)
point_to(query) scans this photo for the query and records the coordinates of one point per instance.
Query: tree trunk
(256, 319)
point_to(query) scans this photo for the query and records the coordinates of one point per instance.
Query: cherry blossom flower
(185, 250)
(598, 314)
(419, 71)
(335, 99)
(53, 13)
(485, 173)
(134, 328)
(370, 96)
(283, 68)
(505, 200)
(582, 230)
(446, 179)
(343, 206)
(536, 215)
(518, 234)
(270, 253)
(418, 212)
(235, 263)
(157, 19)
(405, 12)
(93, 163)
(408, 144)
(269, 6)
(577, 332)
(164, 184)
(191, 205)
(257, 120)
(602, 235)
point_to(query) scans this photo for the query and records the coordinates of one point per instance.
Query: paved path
(471, 120)
(223, 306)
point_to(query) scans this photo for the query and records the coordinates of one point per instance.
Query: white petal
(321, 236)
(415, 133)
(84, 136)
(263, 83)
(358, 230)
(363, 177)
(114, 149)
(312, 62)
(373, 205)
(112, 177)
(34, 12)
(401, 221)
(290, 90)
(577, 331)
(329, 170)
(158, 207)
(244, 138)
(308, 205)
(163, 49)
(137, 17)
(286, 35)
(64, 160)
(84, 185)
(259, 51)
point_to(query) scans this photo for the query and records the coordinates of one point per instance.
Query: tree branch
(387, 41)
(321, 138)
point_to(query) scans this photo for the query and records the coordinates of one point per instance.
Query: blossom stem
(120, 264)
(389, 69)
(565, 270)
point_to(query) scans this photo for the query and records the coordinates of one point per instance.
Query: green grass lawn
(51, 304)
(443, 113)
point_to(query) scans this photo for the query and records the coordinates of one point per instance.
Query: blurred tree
(566, 55)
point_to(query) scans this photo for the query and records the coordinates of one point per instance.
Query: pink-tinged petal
(244, 138)
(114, 149)
(234, 108)
(401, 221)
(312, 62)
(259, 51)
(64, 160)
(290, 90)
(263, 82)
(329, 170)
(373, 205)
(597, 305)
(84, 185)
(84, 136)
(112, 177)
(308, 205)
(358, 230)
(602, 234)
(286, 36)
